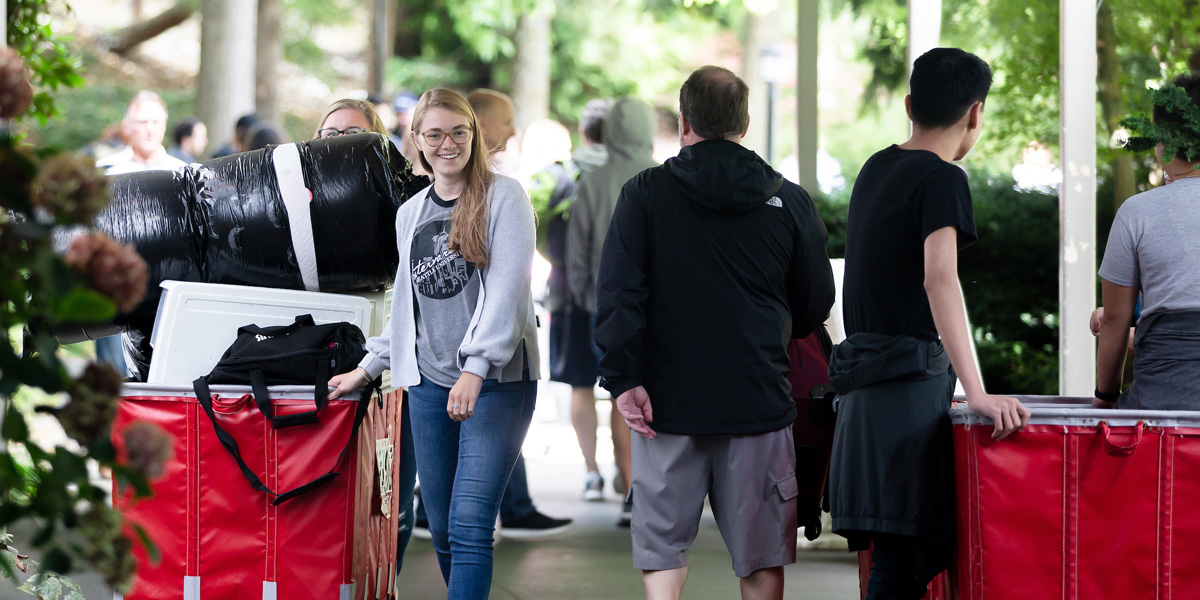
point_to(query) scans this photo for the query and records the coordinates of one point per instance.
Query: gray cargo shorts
(750, 481)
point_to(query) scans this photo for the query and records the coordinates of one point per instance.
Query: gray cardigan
(503, 317)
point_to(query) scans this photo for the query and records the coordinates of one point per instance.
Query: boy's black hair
(184, 129)
(945, 82)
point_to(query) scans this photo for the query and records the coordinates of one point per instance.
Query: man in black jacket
(711, 264)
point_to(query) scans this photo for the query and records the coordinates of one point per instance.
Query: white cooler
(197, 322)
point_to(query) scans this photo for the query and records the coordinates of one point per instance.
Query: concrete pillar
(924, 28)
(1077, 202)
(808, 134)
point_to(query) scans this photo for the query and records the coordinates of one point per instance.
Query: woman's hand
(461, 405)
(345, 383)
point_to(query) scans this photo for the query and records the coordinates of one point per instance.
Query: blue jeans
(514, 505)
(464, 468)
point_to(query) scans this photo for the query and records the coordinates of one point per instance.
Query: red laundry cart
(1085, 503)
(220, 538)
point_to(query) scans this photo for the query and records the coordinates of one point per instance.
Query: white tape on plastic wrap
(296, 198)
(191, 588)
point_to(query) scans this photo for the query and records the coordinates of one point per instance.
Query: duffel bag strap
(262, 399)
(204, 395)
(301, 321)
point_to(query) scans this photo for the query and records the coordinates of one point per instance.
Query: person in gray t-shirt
(1154, 249)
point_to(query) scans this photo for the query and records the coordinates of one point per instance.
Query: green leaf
(151, 549)
(15, 428)
(45, 535)
(83, 305)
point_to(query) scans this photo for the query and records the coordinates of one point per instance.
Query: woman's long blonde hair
(468, 220)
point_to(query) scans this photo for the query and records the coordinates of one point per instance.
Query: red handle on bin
(1114, 449)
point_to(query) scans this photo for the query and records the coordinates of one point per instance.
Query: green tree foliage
(53, 65)
(616, 48)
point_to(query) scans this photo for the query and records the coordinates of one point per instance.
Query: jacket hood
(629, 130)
(587, 158)
(723, 175)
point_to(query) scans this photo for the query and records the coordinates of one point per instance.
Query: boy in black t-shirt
(891, 479)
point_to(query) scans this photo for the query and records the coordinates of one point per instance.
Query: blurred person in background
(260, 136)
(496, 118)
(237, 142)
(191, 139)
(144, 126)
(628, 134)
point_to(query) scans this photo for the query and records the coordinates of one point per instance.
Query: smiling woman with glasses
(468, 358)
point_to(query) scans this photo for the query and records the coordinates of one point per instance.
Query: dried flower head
(93, 406)
(114, 269)
(15, 92)
(70, 187)
(148, 447)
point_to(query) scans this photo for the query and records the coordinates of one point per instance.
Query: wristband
(1108, 396)
(364, 373)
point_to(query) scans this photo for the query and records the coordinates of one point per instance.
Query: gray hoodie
(629, 138)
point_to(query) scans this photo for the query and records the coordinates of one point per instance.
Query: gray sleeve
(1120, 264)
(379, 352)
(507, 295)
(579, 245)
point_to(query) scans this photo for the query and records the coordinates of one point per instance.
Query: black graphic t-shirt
(445, 291)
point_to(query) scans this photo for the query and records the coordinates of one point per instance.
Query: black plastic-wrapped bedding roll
(316, 215)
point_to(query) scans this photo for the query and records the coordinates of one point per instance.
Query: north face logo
(775, 201)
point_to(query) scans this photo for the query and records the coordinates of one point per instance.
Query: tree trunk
(225, 85)
(380, 38)
(754, 38)
(406, 41)
(1112, 103)
(531, 66)
(269, 51)
(123, 41)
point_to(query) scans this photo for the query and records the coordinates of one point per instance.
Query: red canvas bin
(1085, 503)
(220, 538)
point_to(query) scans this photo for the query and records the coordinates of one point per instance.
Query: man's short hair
(183, 129)
(591, 120)
(244, 123)
(945, 82)
(1190, 84)
(715, 102)
(144, 96)
(484, 100)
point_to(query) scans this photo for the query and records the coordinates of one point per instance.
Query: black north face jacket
(711, 264)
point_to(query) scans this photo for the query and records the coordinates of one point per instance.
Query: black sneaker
(626, 511)
(534, 526)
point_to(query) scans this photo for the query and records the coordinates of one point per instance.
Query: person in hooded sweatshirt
(711, 264)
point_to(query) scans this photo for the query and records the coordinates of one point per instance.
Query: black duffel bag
(296, 354)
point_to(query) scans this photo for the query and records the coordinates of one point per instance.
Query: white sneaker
(593, 487)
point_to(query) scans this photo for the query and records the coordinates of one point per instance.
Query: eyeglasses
(329, 132)
(435, 137)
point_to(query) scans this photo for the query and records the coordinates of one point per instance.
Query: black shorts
(574, 356)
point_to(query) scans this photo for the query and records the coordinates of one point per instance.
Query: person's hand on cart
(348, 382)
(1007, 413)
